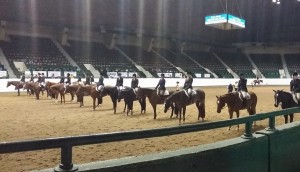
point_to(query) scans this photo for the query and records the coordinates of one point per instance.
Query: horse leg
(172, 107)
(237, 116)
(230, 117)
(154, 110)
(291, 118)
(179, 111)
(94, 103)
(286, 117)
(115, 106)
(183, 113)
(125, 107)
(18, 92)
(64, 97)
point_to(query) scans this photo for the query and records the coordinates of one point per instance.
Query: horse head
(103, 91)
(220, 103)
(8, 83)
(168, 104)
(277, 97)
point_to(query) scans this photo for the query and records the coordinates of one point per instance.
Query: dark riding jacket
(295, 85)
(68, 80)
(62, 80)
(188, 83)
(230, 88)
(161, 84)
(22, 78)
(79, 79)
(87, 81)
(119, 81)
(31, 79)
(39, 79)
(43, 79)
(92, 79)
(242, 86)
(134, 83)
(100, 82)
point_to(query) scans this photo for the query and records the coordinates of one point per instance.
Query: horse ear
(274, 91)
(217, 97)
(282, 90)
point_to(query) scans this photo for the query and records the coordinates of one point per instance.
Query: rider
(79, 80)
(42, 80)
(22, 78)
(31, 78)
(295, 87)
(68, 82)
(62, 79)
(161, 86)
(134, 83)
(119, 84)
(177, 86)
(100, 83)
(92, 79)
(230, 88)
(242, 88)
(87, 80)
(188, 84)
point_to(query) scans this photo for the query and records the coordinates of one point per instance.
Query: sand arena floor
(24, 118)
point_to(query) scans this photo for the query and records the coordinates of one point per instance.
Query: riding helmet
(295, 74)
(241, 74)
(162, 74)
(134, 75)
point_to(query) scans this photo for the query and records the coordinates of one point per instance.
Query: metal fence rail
(66, 143)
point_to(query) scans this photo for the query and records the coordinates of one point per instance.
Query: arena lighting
(277, 1)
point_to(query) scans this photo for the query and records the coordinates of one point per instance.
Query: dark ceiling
(265, 21)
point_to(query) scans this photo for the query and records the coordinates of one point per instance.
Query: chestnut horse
(287, 101)
(35, 87)
(235, 104)
(182, 99)
(58, 88)
(154, 99)
(129, 97)
(47, 88)
(88, 90)
(72, 89)
(17, 85)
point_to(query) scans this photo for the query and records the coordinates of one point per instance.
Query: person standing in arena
(295, 87)
(134, 83)
(119, 84)
(161, 86)
(242, 88)
(188, 84)
(100, 83)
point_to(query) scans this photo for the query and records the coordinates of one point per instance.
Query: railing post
(66, 160)
(248, 131)
(271, 124)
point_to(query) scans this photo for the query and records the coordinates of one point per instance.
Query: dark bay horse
(287, 101)
(181, 99)
(112, 92)
(17, 85)
(88, 90)
(35, 87)
(58, 89)
(129, 97)
(154, 99)
(235, 104)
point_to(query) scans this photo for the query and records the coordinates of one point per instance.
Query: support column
(2, 30)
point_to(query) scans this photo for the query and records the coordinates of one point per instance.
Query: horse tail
(202, 104)
(252, 109)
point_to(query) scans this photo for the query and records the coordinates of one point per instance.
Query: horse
(256, 81)
(182, 99)
(287, 101)
(112, 92)
(58, 88)
(72, 89)
(235, 104)
(49, 92)
(129, 96)
(17, 85)
(154, 98)
(88, 90)
(35, 87)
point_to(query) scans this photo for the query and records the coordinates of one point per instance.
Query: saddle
(193, 92)
(166, 93)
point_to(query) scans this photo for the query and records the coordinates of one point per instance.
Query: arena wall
(268, 151)
(170, 82)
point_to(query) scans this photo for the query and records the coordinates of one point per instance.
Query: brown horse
(72, 89)
(154, 99)
(182, 99)
(17, 85)
(49, 91)
(235, 104)
(88, 90)
(58, 88)
(35, 87)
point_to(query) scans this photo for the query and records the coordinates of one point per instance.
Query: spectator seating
(268, 64)
(293, 62)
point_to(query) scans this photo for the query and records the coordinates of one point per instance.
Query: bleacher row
(41, 54)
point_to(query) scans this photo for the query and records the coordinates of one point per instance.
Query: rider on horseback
(295, 87)
(31, 78)
(87, 80)
(43, 80)
(187, 87)
(22, 78)
(100, 83)
(62, 79)
(134, 83)
(92, 79)
(242, 88)
(119, 84)
(68, 82)
(161, 86)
